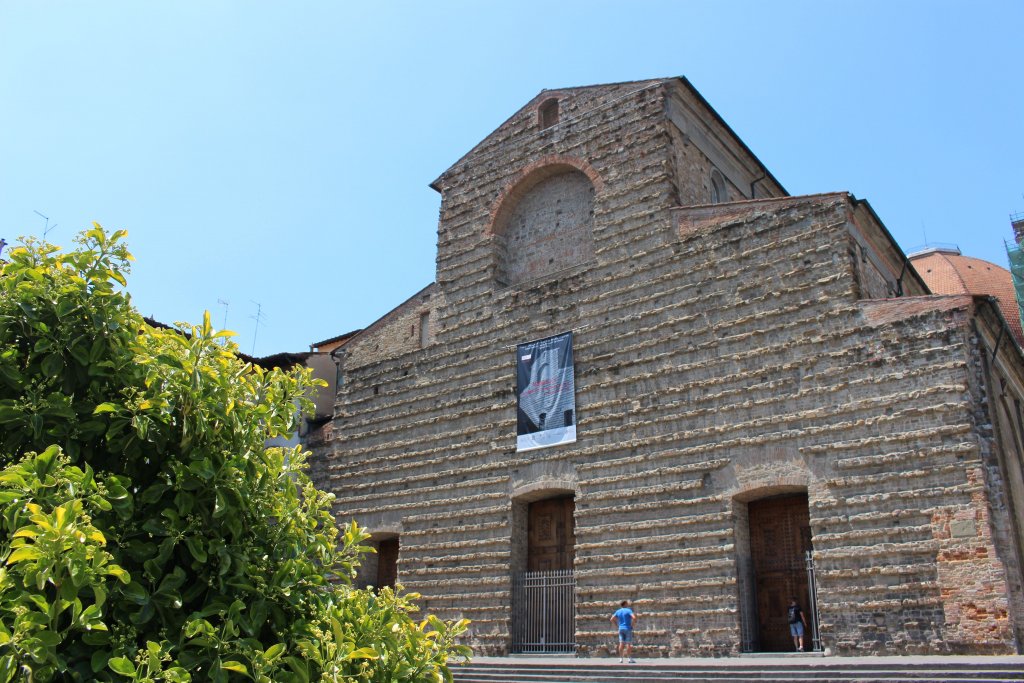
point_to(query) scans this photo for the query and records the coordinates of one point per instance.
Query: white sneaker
(632, 661)
(620, 660)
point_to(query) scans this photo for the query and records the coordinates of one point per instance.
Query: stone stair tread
(737, 672)
(696, 677)
(1006, 675)
(733, 667)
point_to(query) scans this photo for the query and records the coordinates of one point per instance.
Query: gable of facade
(762, 385)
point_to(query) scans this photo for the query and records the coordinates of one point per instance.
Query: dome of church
(947, 271)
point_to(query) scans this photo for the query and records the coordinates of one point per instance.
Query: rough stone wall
(999, 395)
(701, 143)
(693, 173)
(397, 332)
(872, 282)
(754, 372)
(721, 356)
(619, 132)
(550, 229)
(903, 533)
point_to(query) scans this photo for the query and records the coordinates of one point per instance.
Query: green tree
(148, 533)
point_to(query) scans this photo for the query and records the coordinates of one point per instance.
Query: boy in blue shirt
(624, 618)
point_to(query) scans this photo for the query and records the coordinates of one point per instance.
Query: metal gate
(544, 612)
(812, 607)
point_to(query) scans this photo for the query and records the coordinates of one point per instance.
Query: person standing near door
(797, 624)
(624, 618)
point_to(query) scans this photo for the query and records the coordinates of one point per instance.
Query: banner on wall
(545, 393)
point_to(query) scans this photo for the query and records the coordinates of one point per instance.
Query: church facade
(763, 401)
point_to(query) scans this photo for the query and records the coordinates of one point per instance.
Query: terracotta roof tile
(946, 272)
(339, 338)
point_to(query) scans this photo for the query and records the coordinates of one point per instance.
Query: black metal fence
(544, 612)
(812, 601)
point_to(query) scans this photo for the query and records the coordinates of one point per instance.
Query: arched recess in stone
(541, 562)
(547, 113)
(544, 487)
(779, 488)
(772, 535)
(544, 221)
(522, 498)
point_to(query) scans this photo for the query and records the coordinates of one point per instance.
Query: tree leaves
(57, 572)
(148, 530)
(122, 666)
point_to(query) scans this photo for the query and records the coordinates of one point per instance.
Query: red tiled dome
(949, 272)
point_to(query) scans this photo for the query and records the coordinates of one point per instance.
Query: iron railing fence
(544, 612)
(812, 601)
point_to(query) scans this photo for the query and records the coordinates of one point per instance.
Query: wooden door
(780, 534)
(544, 617)
(551, 535)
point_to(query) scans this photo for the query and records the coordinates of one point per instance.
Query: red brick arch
(526, 178)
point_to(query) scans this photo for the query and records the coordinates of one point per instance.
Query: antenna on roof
(924, 233)
(258, 317)
(225, 304)
(46, 228)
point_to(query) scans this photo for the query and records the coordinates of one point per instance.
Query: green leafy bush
(148, 532)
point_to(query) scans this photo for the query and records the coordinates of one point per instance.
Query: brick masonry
(724, 353)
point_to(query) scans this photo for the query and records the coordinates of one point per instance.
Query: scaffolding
(1015, 255)
(1017, 221)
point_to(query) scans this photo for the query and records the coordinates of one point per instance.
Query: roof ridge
(765, 200)
(609, 85)
(956, 271)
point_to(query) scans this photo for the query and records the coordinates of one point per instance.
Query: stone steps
(743, 670)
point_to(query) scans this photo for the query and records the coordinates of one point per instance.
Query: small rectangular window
(424, 329)
(548, 113)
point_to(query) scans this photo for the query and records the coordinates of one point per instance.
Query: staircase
(743, 670)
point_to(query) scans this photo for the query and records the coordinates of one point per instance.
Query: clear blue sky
(279, 152)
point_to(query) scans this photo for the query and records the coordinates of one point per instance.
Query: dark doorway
(780, 535)
(387, 563)
(543, 596)
(551, 538)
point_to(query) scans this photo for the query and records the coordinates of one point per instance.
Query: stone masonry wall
(399, 331)
(693, 392)
(921, 493)
(721, 355)
(550, 229)
(690, 166)
(999, 388)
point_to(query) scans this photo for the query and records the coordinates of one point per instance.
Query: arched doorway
(774, 539)
(543, 584)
